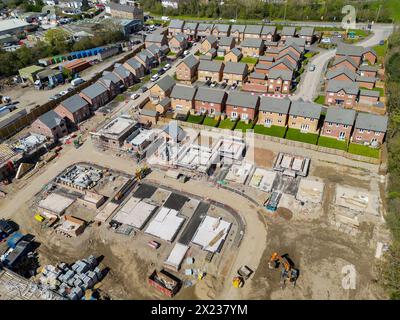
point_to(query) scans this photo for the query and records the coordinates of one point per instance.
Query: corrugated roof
(340, 116)
(183, 92)
(368, 121)
(242, 99)
(94, 90)
(74, 103)
(210, 95)
(236, 68)
(347, 86)
(270, 104)
(212, 66)
(305, 109)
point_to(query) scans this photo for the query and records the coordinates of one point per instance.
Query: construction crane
(288, 272)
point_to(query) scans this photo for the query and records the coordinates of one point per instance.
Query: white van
(165, 18)
(76, 82)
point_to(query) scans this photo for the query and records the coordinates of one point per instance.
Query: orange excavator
(288, 273)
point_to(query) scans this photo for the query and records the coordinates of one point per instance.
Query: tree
(59, 39)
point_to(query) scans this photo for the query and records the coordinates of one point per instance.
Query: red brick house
(341, 74)
(353, 52)
(368, 71)
(243, 106)
(341, 93)
(308, 34)
(346, 63)
(283, 64)
(369, 129)
(366, 82)
(210, 101)
(96, 94)
(370, 55)
(280, 81)
(268, 33)
(125, 75)
(368, 97)
(338, 123)
(286, 33)
(75, 109)
(51, 125)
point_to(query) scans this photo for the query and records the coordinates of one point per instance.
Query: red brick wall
(370, 57)
(333, 130)
(367, 85)
(361, 136)
(206, 106)
(240, 111)
(346, 98)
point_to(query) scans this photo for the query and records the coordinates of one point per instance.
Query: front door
(342, 135)
(304, 127)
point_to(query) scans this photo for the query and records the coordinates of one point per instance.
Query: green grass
(296, 135)
(154, 71)
(219, 58)
(249, 60)
(120, 98)
(332, 143)
(146, 78)
(274, 131)
(135, 87)
(195, 119)
(363, 150)
(393, 7)
(241, 125)
(227, 124)
(211, 122)
(381, 50)
(309, 55)
(170, 54)
(320, 100)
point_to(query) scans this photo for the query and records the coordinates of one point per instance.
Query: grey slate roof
(211, 39)
(262, 66)
(305, 109)
(347, 86)
(265, 58)
(236, 51)
(74, 103)
(253, 29)
(276, 105)
(257, 75)
(94, 90)
(205, 26)
(306, 31)
(212, 66)
(225, 41)
(210, 95)
(288, 31)
(345, 58)
(252, 43)
(368, 121)
(222, 27)
(124, 8)
(238, 28)
(180, 37)
(212, 51)
(183, 92)
(271, 43)
(366, 79)
(236, 68)
(300, 42)
(286, 62)
(268, 30)
(110, 76)
(334, 73)
(190, 26)
(371, 50)
(288, 53)
(348, 50)
(166, 83)
(155, 38)
(340, 116)
(122, 71)
(285, 75)
(154, 49)
(148, 112)
(134, 63)
(242, 99)
(51, 119)
(205, 57)
(369, 93)
(190, 61)
(165, 102)
(368, 68)
(176, 24)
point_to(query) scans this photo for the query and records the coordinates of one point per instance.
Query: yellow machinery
(288, 272)
(39, 218)
(237, 282)
(141, 173)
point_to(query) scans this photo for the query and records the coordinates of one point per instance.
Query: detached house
(299, 42)
(304, 116)
(237, 31)
(243, 106)
(252, 47)
(307, 33)
(157, 39)
(135, 67)
(51, 125)
(369, 129)
(279, 81)
(354, 52)
(268, 33)
(182, 98)
(235, 72)
(221, 30)
(204, 30)
(233, 55)
(370, 55)
(96, 94)
(341, 74)
(175, 27)
(341, 93)
(273, 111)
(125, 75)
(161, 89)
(252, 31)
(186, 70)
(146, 59)
(75, 109)
(210, 70)
(178, 43)
(286, 33)
(210, 101)
(190, 29)
(209, 43)
(338, 123)
(344, 62)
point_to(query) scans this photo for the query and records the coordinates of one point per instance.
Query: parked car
(144, 89)
(77, 81)
(382, 42)
(311, 68)
(167, 67)
(135, 96)
(214, 84)
(325, 40)
(161, 71)
(185, 53)
(223, 85)
(63, 93)
(208, 82)
(234, 86)
(155, 78)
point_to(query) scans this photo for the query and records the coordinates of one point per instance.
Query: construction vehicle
(288, 272)
(141, 172)
(273, 201)
(237, 282)
(245, 272)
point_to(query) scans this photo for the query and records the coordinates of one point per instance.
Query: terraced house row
(338, 123)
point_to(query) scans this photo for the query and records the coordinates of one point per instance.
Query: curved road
(311, 81)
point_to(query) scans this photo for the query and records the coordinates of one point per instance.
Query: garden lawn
(381, 50)
(250, 60)
(212, 122)
(219, 58)
(241, 125)
(296, 135)
(120, 98)
(332, 143)
(363, 150)
(227, 124)
(195, 119)
(274, 131)
(320, 100)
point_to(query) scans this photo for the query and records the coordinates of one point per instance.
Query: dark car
(161, 71)
(382, 42)
(144, 89)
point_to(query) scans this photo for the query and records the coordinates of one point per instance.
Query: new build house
(273, 111)
(233, 55)
(210, 101)
(182, 98)
(307, 33)
(235, 72)
(161, 89)
(96, 94)
(221, 30)
(204, 30)
(252, 47)
(208, 43)
(341, 93)
(268, 33)
(369, 129)
(186, 70)
(252, 31)
(210, 70)
(304, 116)
(135, 67)
(75, 109)
(338, 123)
(243, 106)
(237, 31)
(279, 81)
(286, 33)
(175, 27)
(51, 125)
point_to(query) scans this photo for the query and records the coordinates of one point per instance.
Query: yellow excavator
(288, 272)
(237, 282)
(141, 172)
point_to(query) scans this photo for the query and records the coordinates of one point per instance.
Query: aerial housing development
(147, 156)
